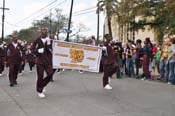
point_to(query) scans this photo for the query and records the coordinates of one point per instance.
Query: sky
(21, 13)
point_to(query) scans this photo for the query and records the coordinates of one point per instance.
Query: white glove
(1, 45)
(41, 50)
(103, 48)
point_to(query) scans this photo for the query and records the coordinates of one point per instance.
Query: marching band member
(2, 55)
(30, 58)
(109, 62)
(41, 49)
(14, 57)
(51, 37)
(22, 66)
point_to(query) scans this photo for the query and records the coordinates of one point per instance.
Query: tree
(78, 29)
(56, 23)
(60, 22)
(157, 14)
(109, 6)
(28, 34)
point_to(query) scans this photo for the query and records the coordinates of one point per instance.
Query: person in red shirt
(154, 51)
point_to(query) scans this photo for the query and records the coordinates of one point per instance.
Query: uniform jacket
(2, 52)
(30, 56)
(41, 58)
(109, 58)
(14, 55)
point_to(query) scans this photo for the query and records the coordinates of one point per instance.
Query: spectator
(171, 60)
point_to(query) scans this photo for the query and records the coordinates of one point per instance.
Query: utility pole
(50, 23)
(3, 18)
(70, 17)
(98, 21)
(58, 15)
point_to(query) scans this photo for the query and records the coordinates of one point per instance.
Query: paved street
(75, 94)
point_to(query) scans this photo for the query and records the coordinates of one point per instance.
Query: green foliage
(157, 14)
(54, 23)
(28, 34)
(109, 6)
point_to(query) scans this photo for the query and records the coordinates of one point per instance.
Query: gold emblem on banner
(76, 55)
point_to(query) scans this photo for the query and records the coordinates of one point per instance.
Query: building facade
(122, 33)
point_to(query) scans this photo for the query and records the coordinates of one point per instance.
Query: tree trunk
(109, 26)
(58, 35)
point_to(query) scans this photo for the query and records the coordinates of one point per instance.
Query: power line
(90, 8)
(65, 14)
(84, 13)
(12, 24)
(50, 9)
(77, 13)
(37, 11)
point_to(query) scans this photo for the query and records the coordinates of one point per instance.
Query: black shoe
(11, 85)
(15, 83)
(51, 80)
(137, 77)
(119, 77)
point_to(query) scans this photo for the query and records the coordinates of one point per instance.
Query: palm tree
(109, 6)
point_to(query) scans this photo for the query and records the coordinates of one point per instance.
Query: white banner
(76, 56)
